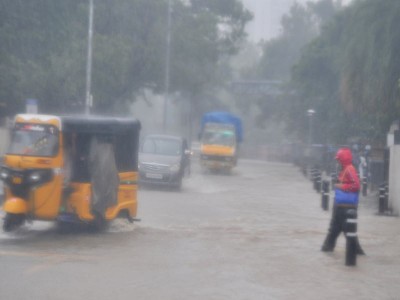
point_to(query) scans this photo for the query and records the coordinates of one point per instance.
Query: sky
(267, 16)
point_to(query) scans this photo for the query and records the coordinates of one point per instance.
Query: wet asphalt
(252, 234)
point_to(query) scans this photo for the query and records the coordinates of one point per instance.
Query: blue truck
(220, 136)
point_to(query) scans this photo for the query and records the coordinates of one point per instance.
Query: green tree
(350, 73)
(298, 28)
(43, 46)
(32, 35)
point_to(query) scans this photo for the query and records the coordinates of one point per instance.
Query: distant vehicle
(220, 136)
(164, 160)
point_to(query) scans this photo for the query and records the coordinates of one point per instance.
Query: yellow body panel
(127, 196)
(126, 200)
(44, 202)
(217, 150)
(79, 201)
(25, 162)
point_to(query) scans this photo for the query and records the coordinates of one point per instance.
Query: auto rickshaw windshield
(34, 140)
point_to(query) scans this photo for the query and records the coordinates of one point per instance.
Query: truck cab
(218, 150)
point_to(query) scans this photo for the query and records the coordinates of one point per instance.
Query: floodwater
(254, 234)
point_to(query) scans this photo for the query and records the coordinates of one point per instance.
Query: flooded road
(255, 234)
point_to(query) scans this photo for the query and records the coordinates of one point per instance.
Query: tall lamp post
(167, 68)
(88, 102)
(310, 114)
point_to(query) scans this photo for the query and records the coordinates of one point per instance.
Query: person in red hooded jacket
(348, 182)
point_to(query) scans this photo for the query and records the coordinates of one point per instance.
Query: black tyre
(98, 224)
(178, 184)
(66, 227)
(13, 221)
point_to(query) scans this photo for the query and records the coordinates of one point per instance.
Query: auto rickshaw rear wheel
(99, 223)
(13, 221)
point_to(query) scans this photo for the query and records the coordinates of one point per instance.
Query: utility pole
(88, 102)
(167, 69)
(310, 114)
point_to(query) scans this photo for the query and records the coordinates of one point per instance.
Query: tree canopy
(299, 26)
(341, 61)
(43, 48)
(350, 73)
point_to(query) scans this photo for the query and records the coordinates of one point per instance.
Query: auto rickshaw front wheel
(13, 221)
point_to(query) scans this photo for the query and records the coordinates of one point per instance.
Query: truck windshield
(162, 146)
(34, 140)
(225, 138)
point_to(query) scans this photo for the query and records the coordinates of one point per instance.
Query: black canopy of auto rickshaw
(98, 124)
(123, 133)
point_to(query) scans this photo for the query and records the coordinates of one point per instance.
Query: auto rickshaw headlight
(34, 177)
(40, 176)
(4, 174)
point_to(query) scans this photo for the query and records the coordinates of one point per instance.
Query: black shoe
(360, 251)
(326, 248)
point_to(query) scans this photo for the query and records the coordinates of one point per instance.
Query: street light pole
(310, 114)
(167, 68)
(88, 102)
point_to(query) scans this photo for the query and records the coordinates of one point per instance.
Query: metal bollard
(325, 195)
(351, 237)
(314, 179)
(313, 172)
(386, 197)
(333, 179)
(364, 186)
(304, 170)
(319, 182)
(381, 199)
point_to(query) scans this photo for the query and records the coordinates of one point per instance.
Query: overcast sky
(267, 16)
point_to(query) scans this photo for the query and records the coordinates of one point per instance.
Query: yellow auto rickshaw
(70, 169)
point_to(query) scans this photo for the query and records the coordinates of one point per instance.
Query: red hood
(344, 156)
